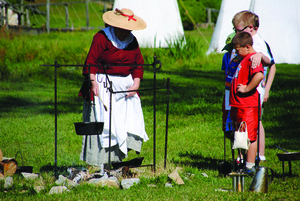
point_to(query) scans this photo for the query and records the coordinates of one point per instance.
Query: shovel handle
(102, 102)
(272, 173)
(282, 149)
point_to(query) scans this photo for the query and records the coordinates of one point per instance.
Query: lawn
(195, 137)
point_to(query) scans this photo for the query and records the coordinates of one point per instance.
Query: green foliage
(184, 51)
(196, 9)
(216, 4)
(25, 54)
(14, 1)
(191, 9)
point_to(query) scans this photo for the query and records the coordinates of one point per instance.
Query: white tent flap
(279, 26)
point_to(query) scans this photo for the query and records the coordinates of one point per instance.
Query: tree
(195, 10)
(191, 10)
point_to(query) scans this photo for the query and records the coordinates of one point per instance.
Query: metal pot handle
(21, 157)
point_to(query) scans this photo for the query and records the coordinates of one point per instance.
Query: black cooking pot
(89, 128)
(290, 156)
(27, 169)
(23, 168)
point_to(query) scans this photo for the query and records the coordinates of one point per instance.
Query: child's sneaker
(249, 171)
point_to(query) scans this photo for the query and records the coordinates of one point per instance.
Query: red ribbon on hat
(130, 17)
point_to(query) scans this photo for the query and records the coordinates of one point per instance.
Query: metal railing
(156, 66)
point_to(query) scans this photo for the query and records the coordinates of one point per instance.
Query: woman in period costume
(114, 45)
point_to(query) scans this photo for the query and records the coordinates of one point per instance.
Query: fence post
(27, 17)
(1, 15)
(87, 15)
(67, 15)
(104, 7)
(48, 17)
(209, 15)
(6, 15)
(22, 13)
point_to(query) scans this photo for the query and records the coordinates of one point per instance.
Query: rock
(61, 180)
(106, 181)
(8, 182)
(71, 183)
(223, 190)
(175, 177)
(168, 185)
(80, 176)
(58, 189)
(127, 183)
(30, 176)
(65, 181)
(151, 185)
(204, 174)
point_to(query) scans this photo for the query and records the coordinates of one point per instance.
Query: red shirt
(103, 51)
(243, 75)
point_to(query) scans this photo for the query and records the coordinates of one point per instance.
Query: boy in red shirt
(243, 94)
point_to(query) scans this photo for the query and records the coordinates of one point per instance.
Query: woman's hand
(135, 86)
(95, 87)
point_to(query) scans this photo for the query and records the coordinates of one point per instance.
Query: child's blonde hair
(246, 18)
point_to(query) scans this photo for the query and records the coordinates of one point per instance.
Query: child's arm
(253, 83)
(269, 82)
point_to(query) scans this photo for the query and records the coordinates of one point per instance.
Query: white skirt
(127, 119)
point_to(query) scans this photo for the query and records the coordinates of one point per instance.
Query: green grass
(195, 138)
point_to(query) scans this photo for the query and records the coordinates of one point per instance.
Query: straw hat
(124, 19)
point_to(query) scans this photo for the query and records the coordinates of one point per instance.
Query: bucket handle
(272, 174)
(21, 157)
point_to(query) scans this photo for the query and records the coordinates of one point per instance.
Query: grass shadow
(281, 114)
(32, 106)
(196, 160)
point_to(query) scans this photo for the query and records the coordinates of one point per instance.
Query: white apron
(127, 114)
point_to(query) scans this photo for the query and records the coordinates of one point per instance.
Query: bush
(197, 11)
(191, 9)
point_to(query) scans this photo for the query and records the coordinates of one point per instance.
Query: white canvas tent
(163, 20)
(279, 26)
